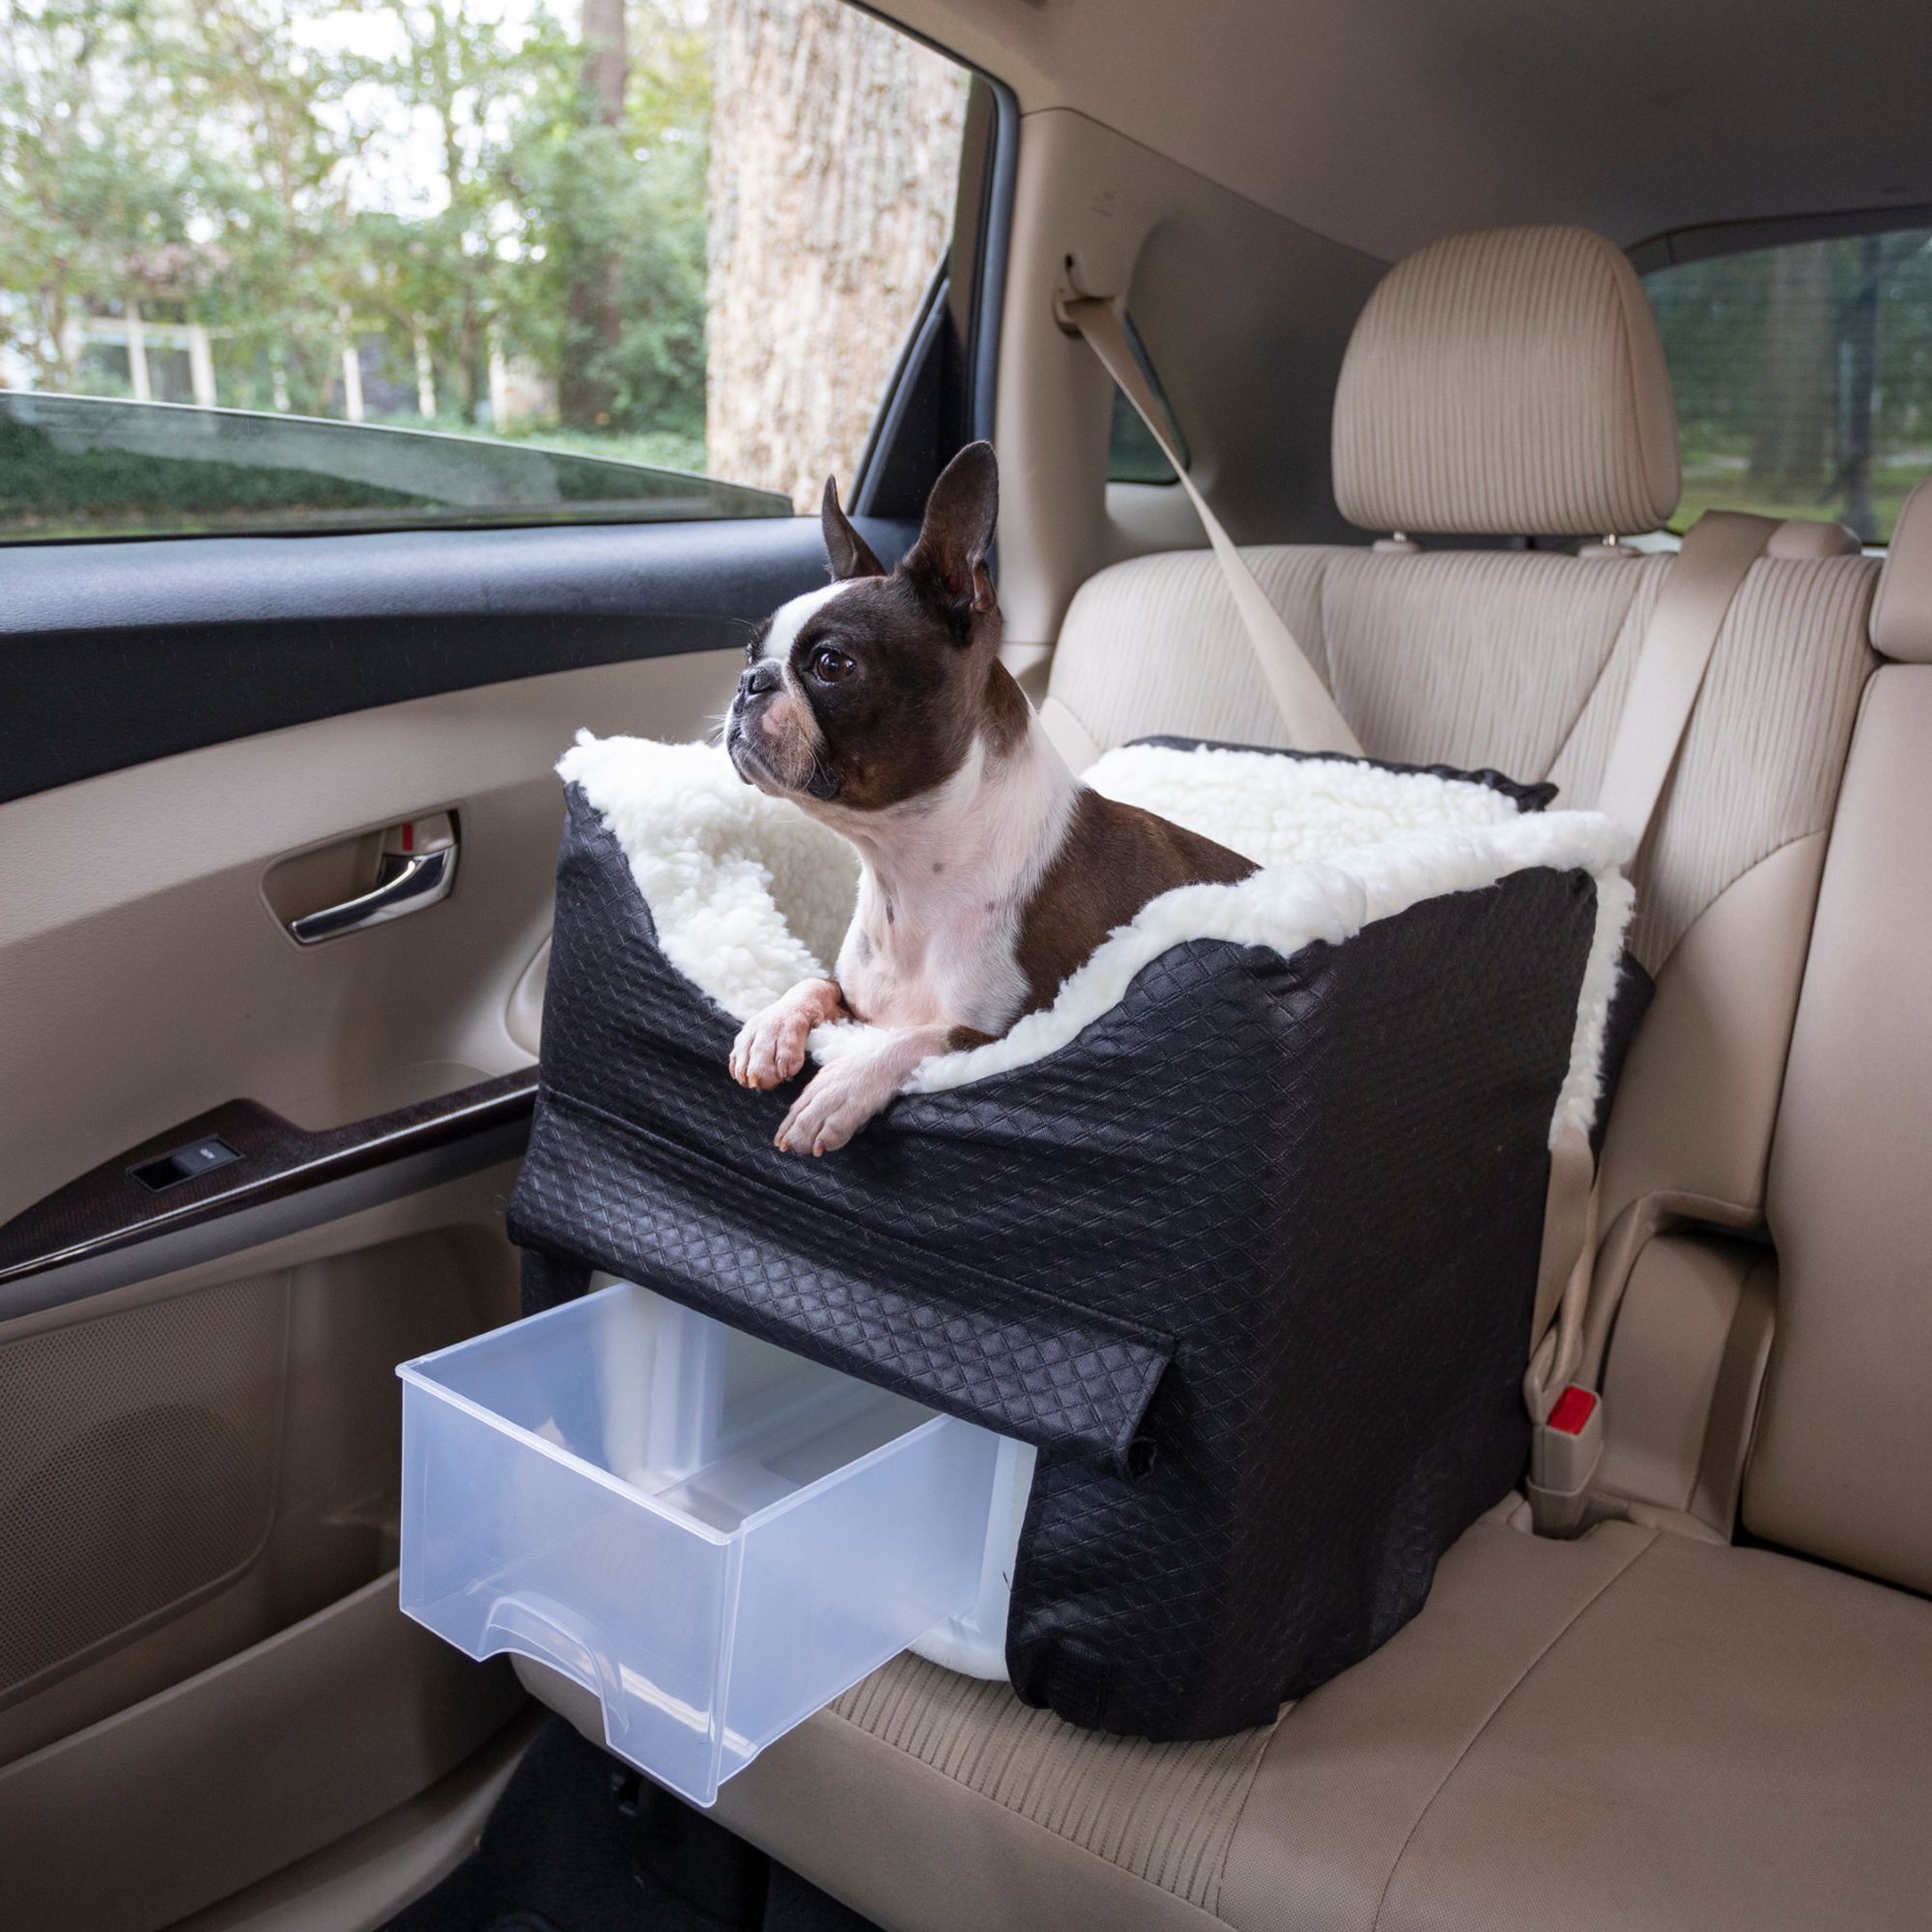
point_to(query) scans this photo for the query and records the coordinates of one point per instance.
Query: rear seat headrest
(1901, 618)
(1508, 383)
(1807, 537)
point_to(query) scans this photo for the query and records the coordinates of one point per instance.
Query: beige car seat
(1648, 1726)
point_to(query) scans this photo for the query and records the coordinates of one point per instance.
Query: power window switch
(184, 1163)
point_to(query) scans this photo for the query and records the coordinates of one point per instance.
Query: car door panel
(115, 654)
(277, 1751)
(199, 1422)
(250, 1693)
(163, 864)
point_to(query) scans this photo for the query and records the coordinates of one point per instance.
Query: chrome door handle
(416, 882)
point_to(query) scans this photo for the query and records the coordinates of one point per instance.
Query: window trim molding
(980, 265)
(1707, 242)
(984, 263)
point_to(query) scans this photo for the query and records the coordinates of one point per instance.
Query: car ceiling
(1382, 123)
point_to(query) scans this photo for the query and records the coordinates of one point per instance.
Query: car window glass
(286, 263)
(1133, 456)
(1803, 377)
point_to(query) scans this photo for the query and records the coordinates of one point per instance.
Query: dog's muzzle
(738, 748)
(761, 683)
(741, 743)
(756, 683)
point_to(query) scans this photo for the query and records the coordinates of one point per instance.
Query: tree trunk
(473, 382)
(1796, 378)
(583, 391)
(606, 60)
(834, 149)
(1857, 356)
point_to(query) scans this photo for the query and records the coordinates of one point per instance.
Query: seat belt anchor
(1565, 1450)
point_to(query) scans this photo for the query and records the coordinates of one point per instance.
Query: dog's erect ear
(846, 550)
(957, 535)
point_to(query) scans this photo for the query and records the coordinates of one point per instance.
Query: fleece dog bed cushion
(1241, 1233)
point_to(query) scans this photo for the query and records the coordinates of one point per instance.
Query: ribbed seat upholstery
(1519, 660)
(1648, 1726)
(1632, 1730)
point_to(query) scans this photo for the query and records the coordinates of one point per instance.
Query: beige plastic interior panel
(138, 1459)
(235, 1773)
(190, 1465)
(1148, 517)
(1685, 1370)
(525, 1016)
(198, 1471)
(360, 1883)
(143, 976)
(1030, 665)
(1249, 373)
(324, 875)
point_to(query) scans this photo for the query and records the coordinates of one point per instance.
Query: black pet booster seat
(1241, 1235)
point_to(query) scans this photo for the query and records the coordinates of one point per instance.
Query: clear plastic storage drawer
(715, 1536)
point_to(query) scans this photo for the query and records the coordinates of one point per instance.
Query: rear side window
(1133, 456)
(1803, 377)
(297, 266)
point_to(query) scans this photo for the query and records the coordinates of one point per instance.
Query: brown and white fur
(988, 873)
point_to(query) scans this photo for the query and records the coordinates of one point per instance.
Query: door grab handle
(419, 881)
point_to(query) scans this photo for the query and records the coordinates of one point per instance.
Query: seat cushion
(1517, 660)
(1633, 1729)
(1724, 1737)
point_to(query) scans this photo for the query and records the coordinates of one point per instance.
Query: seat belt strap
(1314, 723)
(1568, 1238)
(1675, 654)
(1567, 1422)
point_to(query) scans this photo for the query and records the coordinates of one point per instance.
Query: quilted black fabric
(1251, 1262)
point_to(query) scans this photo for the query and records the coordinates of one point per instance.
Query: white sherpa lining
(750, 896)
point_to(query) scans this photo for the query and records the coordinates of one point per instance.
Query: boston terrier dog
(988, 873)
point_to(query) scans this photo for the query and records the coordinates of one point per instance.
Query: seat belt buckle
(1565, 1450)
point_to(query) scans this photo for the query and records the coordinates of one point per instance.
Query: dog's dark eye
(827, 665)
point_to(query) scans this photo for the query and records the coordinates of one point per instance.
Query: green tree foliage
(627, 203)
(1804, 375)
(162, 155)
(416, 176)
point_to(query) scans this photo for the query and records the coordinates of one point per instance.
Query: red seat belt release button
(1572, 1411)
(1564, 1453)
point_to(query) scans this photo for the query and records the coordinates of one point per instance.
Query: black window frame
(943, 391)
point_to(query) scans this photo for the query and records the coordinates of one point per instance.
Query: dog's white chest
(944, 885)
(930, 959)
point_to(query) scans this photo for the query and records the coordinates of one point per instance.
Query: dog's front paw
(840, 1100)
(770, 1049)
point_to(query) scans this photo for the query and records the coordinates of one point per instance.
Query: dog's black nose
(759, 678)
